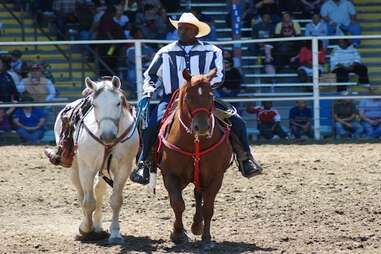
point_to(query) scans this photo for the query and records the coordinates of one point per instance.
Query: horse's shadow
(220, 247)
(130, 243)
(147, 245)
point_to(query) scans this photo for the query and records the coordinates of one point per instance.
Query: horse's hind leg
(177, 203)
(100, 189)
(88, 203)
(198, 226)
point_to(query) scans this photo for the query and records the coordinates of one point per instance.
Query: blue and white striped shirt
(165, 71)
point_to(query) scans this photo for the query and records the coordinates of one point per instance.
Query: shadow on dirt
(148, 245)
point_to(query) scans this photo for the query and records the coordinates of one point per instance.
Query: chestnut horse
(196, 149)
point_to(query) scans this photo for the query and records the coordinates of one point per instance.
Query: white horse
(107, 125)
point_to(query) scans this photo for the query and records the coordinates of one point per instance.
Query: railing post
(316, 92)
(139, 68)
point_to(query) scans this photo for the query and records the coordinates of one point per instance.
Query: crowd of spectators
(272, 19)
(24, 82)
(350, 120)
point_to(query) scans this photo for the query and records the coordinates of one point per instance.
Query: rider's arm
(217, 62)
(153, 75)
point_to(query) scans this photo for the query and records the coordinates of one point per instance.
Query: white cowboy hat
(189, 18)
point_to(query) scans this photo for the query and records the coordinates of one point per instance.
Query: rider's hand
(144, 101)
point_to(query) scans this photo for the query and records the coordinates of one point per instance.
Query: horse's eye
(118, 104)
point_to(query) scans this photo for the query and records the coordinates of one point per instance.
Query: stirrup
(249, 167)
(141, 173)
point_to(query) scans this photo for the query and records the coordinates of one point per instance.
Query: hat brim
(203, 28)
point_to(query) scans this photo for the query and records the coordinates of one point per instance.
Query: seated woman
(30, 123)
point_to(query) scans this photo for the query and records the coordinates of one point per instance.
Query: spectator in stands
(147, 55)
(346, 59)
(301, 120)
(305, 70)
(212, 36)
(85, 12)
(122, 20)
(345, 115)
(7, 60)
(370, 113)
(268, 120)
(270, 7)
(293, 7)
(171, 5)
(310, 7)
(36, 86)
(17, 64)
(285, 50)
(152, 22)
(317, 28)
(29, 122)
(340, 16)
(109, 53)
(65, 14)
(5, 125)
(264, 30)
(231, 85)
(8, 91)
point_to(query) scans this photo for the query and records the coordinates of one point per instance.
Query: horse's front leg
(116, 201)
(88, 204)
(209, 196)
(197, 225)
(100, 190)
(172, 184)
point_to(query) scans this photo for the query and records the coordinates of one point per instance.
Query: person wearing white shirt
(340, 16)
(346, 59)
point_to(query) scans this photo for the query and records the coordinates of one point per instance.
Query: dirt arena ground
(310, 199)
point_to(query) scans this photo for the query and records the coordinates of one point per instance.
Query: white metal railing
(316, 97)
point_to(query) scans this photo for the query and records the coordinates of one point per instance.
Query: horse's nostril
(196, 128)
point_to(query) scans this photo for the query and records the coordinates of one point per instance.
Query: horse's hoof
(179, 238)
(115, 240)
(208, 246)
(84, 233)
(198, 229)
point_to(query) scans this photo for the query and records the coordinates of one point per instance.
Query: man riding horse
(165, 75)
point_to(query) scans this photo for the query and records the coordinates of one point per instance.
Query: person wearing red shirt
(268, 120)
(305, 60)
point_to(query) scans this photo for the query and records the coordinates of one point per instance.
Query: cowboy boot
(63, 155)
(246, 162)
(141, 173)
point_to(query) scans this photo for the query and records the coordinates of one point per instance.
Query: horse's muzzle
(108, 137)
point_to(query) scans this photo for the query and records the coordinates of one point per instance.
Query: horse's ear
(187, 76)
(116, 82)
(211, 74)
(90, 84)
